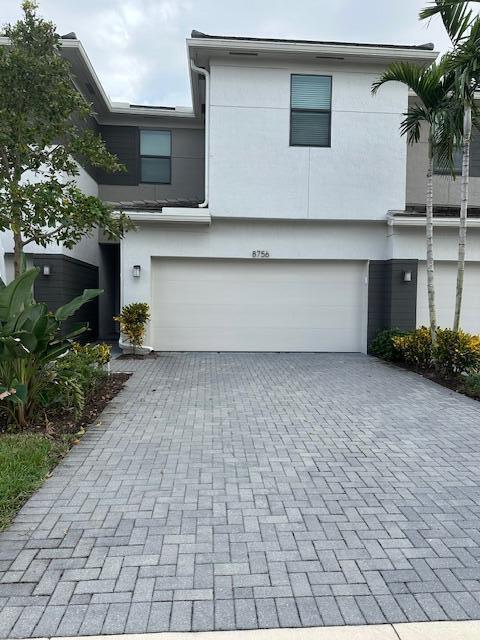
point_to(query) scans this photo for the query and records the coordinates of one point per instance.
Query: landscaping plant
(39, 106)
(462, 25)
(133, 323)
(471, 385)
(435, 110)
(382, 346)
(415, 348)
(74, 376)
(31, 343)
(456, 352)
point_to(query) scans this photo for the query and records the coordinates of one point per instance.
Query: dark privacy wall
(392, 302)
(68, 278)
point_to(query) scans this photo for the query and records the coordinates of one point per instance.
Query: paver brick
(230, 491)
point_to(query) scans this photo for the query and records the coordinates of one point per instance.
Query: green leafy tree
(463, 28)
(435, 111)
(42, 131)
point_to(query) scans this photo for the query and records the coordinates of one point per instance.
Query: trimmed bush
(383, 346)
(133, 322)
(471, 385)
(415, 348)
(456, 352)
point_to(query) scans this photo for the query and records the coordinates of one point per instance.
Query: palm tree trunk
(430, 261)
(462, 229)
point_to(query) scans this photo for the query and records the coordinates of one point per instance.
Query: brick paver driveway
(254, 490)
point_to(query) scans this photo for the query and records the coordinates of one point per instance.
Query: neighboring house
(283, 212)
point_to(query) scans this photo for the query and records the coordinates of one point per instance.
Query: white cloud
(138, 46)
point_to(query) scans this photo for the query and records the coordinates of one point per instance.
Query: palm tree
(463, 28)
(433, 89)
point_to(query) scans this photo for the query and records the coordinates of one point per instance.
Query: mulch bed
(64, 423)
(456, 384)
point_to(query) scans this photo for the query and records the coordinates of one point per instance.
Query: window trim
(328, 111)
(169, 131)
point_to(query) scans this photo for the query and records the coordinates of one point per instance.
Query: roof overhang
(201, 49)
(171, 215)
(395, 220)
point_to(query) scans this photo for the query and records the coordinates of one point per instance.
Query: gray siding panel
(124, 143)
(475, 155)
(68, 279)
(392, 303)
(188, 166)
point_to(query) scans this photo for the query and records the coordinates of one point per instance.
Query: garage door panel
(228, 339)
(197, 292)
(445, 287)
(239, 305)
(251, 315)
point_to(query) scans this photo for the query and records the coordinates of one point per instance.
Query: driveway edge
(465, 630)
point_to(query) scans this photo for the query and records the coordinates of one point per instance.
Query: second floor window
(155, 156)
(310, 110)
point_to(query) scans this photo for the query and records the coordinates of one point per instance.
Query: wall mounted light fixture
(407, 276)
(46, 270)
(136, 270)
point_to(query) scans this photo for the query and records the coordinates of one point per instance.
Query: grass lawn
(25, 462)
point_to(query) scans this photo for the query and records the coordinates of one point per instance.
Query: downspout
(206, 75)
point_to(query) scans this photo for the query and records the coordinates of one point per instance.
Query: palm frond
(456, 15)
(464, 62)
(430, 84)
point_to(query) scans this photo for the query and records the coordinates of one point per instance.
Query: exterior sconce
(46, 270)
(136, 270)
(407, 276)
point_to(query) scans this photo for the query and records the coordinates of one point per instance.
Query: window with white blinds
(311, 110)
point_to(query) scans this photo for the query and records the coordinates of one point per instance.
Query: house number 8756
(260, 253)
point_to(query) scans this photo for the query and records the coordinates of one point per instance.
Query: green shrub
(383, 347)
(456, 352)
(471, 385)
(133, 322)
(75, 375)
(31, 341)
(415, 348)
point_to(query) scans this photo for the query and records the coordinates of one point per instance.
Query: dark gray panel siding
(475, 155)
(68, 279)
(188, 166)
(124, 143)
(377, 281)
(392, 302)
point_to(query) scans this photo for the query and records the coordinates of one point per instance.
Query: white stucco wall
(238, 238)
(255, 173)
(410, 243)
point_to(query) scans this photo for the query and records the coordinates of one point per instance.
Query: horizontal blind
(311, 92)
(156, 170)
(310, 128)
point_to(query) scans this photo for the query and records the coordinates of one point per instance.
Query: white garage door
(248, 305)
(445, 285)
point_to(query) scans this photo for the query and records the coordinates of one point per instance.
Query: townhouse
(281, 212)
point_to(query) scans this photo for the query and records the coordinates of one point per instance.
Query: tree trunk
(17, 253)
(430, 261)
(462, 229)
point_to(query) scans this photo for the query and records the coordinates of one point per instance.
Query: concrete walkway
(409, 631)
(243, 491)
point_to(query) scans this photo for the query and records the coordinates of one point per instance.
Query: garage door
(248, 305)
(445, 285)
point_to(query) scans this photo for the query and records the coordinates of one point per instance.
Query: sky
(137, 47)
